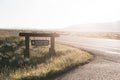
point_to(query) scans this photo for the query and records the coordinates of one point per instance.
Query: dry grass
(106, 35)
(41, 65)
(44, 66)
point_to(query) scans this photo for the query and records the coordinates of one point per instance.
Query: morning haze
(53, 14)
(59, 39)
(95, 27)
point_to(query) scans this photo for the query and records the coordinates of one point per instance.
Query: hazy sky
(37, 14)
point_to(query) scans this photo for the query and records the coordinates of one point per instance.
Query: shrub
(8, 50)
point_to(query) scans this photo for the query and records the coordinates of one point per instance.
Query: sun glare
(52, 14)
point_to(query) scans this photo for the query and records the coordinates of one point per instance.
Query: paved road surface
(106, 64)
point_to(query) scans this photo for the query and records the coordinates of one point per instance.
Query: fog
(96, 27)
(58, 14)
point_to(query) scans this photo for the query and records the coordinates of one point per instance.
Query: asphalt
(104, 66)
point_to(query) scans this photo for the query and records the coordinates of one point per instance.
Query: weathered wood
(52, 42)
(27, 46)
(52, 47)
(40, 34)
(28, 35)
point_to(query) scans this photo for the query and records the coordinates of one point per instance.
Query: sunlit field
(106, 35)
(41, 65)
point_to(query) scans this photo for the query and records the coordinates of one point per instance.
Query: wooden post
(52, 47)
(27, 47)
(27, 41)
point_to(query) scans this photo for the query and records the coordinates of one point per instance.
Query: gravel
(101, 68)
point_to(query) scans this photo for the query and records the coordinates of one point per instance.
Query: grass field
(106, 35)
(41, 65)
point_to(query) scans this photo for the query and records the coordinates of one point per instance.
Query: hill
(96, 27)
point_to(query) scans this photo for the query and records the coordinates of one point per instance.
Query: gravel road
(98, 69)
(104, 66)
